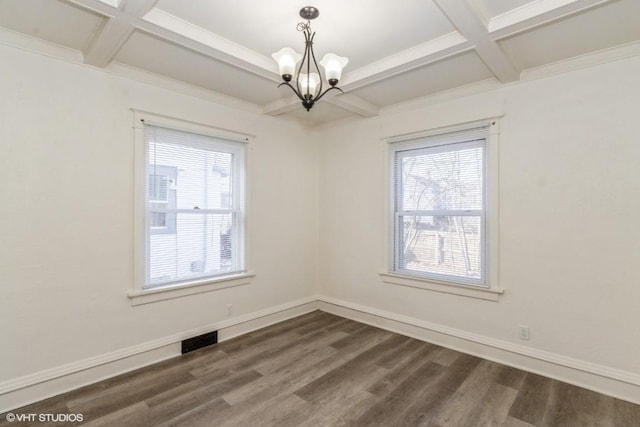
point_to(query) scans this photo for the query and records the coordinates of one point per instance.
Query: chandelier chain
(302, 26)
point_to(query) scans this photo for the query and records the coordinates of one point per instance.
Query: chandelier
(308, 80)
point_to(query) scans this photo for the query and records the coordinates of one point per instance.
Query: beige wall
(66, 189)
(569, 204)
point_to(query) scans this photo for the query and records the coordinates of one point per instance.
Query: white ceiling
(398, 51)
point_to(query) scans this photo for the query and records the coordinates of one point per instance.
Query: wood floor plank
(352, 326)
(531, 402)
(625, 413)
(129, 416)
(290, 410)
(493, 408)
(437, 395)
(299, 350)
(340, 411)
(514, 422)
(467, 397)
(319, 324)
(265, 334)
(510, 377)
(404, 350)
(115, 398)
(413, 357)
(192, 393)
(319, 369)
(239, 360)
(286, 378)
(446, 357)
(201, 416)
(360, 337)
(353, 369)
(573, 406)
(281, 383)
(391, 408)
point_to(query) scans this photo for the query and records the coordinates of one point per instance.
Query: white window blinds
(194, 206)
(439, 204)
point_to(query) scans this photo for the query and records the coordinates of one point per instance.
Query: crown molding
(144, 76)
(43, 47)
(583, 61)
(535, 14)
(443, 96)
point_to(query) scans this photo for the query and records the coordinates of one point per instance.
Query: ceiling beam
(536, 13)
(97, 6)
(281, 106)
(106, 43)
(352, 103)
(137, 8)
(198, 39)
(140, 15)
(469, 23)
(473, 32)
(414, 57)
(346, 101)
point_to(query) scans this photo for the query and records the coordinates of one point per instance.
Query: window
(439, 197)
(191, 200)
(162, 197)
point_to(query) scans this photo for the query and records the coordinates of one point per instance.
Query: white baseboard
(31, 388)
(603, 379)
(618, 383)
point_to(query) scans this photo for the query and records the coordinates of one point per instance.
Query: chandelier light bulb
(287, 60)
(309, 83)
(333, 66)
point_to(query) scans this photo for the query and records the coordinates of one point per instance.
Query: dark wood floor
(324, 370)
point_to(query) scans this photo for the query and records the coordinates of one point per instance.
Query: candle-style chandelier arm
(331, 88)
(317, 98)
(300, 96)
(309, 51)
(293, 89)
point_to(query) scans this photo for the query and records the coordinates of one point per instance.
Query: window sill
(489, 294)
(139, 297)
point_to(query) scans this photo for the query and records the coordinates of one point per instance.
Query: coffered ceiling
(398, 51)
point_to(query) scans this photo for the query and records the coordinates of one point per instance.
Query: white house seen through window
(194, 207)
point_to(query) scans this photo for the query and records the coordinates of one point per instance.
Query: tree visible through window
(439, 209)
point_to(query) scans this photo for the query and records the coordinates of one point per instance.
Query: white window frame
(490, 288)
(140, 294)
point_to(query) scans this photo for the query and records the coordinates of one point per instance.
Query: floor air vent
(200, 341)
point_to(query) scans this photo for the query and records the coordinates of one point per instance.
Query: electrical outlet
(523, 332)
(229, 310)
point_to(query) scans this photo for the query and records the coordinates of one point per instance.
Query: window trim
(138, 294)
(439, 136)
